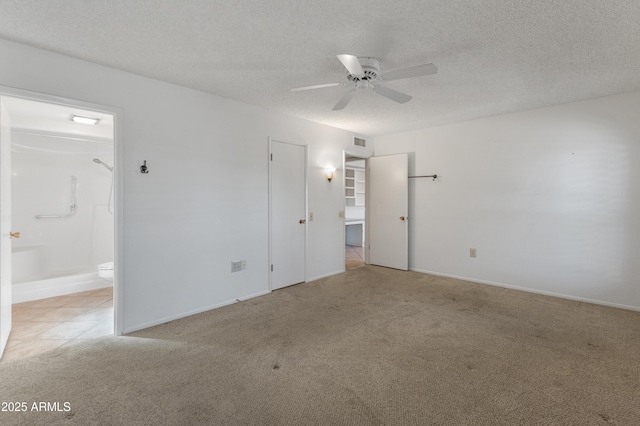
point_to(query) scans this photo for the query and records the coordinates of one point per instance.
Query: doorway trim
(306, 205)
(353, 154)
(118, 282)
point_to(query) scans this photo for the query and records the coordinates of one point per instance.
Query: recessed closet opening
(355, 200)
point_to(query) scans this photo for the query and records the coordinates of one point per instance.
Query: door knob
(14, 235)
(402, 218)
(303, 221)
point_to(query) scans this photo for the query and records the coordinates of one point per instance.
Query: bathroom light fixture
(329, 173)
(84, 120)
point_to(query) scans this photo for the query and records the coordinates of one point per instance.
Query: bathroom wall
(42, 169)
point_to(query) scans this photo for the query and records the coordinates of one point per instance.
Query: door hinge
(272, 267)
(271, 157)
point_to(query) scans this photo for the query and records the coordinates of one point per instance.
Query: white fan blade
(345, 100)
(417, 71)
(394, 95)
(352, 64)
(317, 86)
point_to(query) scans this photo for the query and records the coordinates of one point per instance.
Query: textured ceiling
(493, 56)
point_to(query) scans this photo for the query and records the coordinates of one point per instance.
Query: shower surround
(59, 255)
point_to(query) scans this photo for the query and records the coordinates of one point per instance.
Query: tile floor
(354, 257)
(44, 324)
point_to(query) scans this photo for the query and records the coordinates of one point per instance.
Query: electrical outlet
(244, 265)
(236, 265)
(472, 252)
(310, 216)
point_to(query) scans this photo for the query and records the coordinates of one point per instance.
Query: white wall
(42, 168)
(550, 198)
(204, 201)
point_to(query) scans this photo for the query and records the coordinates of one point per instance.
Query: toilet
(105, 271)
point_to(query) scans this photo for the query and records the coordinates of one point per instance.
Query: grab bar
(72, 207)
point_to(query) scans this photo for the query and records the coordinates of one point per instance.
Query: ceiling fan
(364, 73)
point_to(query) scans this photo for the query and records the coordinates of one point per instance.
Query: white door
(5, 227)
(288, 214)
(389, 205)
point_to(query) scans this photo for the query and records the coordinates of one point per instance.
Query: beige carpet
(372, 346)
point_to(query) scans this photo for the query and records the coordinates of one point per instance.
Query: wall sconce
(329, 173)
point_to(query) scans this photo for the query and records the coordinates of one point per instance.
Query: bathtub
(30, 282)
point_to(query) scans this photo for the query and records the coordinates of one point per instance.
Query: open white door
(5, 227)
(288, 214)
(389, 206)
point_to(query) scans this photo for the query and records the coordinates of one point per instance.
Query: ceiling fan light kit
(364, 73)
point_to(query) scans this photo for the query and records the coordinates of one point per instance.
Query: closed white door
(389, 206)
(288, 214)
(5, 227)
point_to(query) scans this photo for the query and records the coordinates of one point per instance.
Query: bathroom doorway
(63, 205)
(355, 184)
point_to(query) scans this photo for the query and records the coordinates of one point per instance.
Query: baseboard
(193, 312)
(531, 290)
(319, 277)
(35, 290)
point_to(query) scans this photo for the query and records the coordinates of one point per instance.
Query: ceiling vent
(359, 142)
